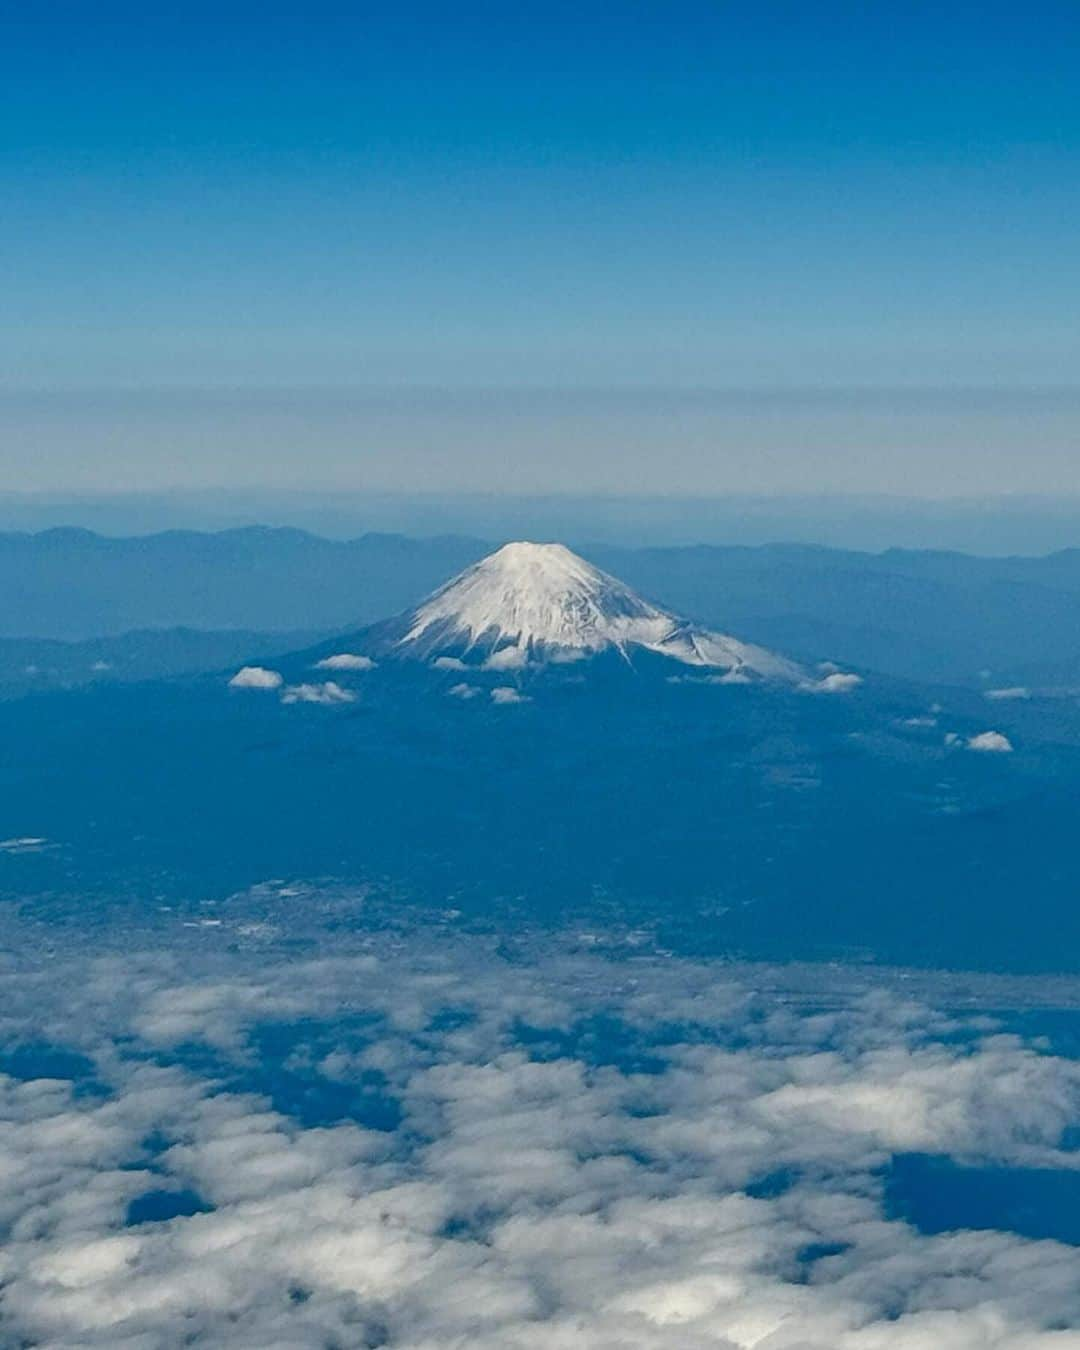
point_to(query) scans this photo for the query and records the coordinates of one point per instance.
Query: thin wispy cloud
(345, 661)
(504, 694)
(328, 694)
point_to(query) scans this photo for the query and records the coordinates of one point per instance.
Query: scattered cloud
(448, 663)
(1013, 691)
(23, 844)
(837, 682)
(326, 694)
(465, 691)
(503, 693)
(507, 658)
(990, 742)
(345, 661)
(706, 1174)
(256, 677)
(737, 675)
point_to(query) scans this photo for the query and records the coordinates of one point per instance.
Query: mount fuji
(536, 739)
(532, 605)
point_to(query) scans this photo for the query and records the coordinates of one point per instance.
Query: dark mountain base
(729, 820)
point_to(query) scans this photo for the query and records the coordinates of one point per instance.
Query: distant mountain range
(917, 615)
(74, 584)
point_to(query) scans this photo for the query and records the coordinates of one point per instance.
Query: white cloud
(345, 661)
(1013, 691)
(737, 675)
(838, 682)
(327, 694)
(503, 694)
(465, 691)
(539, 1197)
(990, 742)
(448, 663)
(256, 677)
(507, 658)
(27, 843)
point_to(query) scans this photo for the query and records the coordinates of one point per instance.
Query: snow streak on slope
(536, 602)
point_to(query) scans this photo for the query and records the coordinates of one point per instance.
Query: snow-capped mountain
(532, 604)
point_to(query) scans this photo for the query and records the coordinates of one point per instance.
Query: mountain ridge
(1006, 616)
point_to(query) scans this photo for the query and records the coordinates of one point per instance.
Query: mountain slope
(751, 818)
(529, 604)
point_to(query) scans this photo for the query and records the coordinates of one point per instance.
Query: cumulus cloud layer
(581, 1159)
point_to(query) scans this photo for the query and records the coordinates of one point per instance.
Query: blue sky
(634, 196)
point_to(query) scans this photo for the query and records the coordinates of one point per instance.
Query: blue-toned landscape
(540, 677)
(535, 967)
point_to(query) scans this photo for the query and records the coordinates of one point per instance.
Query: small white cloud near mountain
(256, 677)
(990, 742)
(836, 682)
(327, 694)
(345, 661)
(506, 693)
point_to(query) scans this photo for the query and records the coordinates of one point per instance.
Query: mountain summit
(535, 603)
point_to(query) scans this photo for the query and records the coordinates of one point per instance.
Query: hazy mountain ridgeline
(917, 615)
(75, 584)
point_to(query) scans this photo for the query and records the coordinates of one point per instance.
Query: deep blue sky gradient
(636, 195)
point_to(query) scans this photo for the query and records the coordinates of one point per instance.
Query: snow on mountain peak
(538, 595)
(531, 602)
